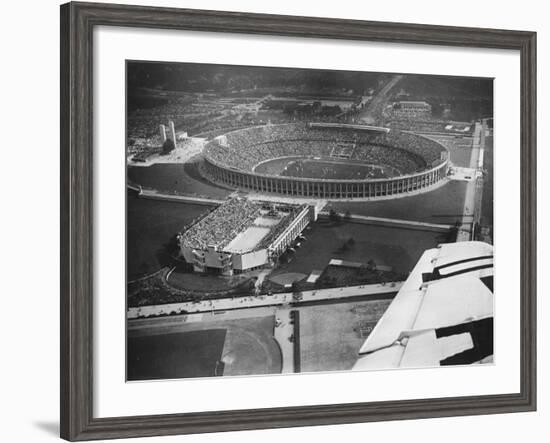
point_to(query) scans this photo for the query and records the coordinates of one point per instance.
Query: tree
(296, 291)
(371, 265)
(167, 252)
(168, 146)
(363, 270)
(334, 216)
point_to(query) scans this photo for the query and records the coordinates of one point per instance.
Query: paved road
(282, 335)
(373, 111)
(471, 200)
(263, 300)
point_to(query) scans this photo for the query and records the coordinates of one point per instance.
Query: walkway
(394, 222)
(156, 195)
(264, 300)
(372, 113)
(283, 332)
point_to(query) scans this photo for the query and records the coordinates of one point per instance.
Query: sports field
(175, 355)
(325, 168)
(332, 334)
(203, 345)
(336, 170)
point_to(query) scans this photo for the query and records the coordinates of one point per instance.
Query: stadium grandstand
(334, 160)
(242, 235)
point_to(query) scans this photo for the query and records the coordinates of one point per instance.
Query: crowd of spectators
(245, 148)
(431, 151)
(404, 161)
(343, 149)
(202, 117)
(220, 226)
(289, 215)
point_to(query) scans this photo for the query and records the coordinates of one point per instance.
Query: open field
(251, 349)
(150, 225)
(203, 345)
(442, 205)
(332, 334)
(175, 355)
(193, 281)
(396, 247)
(175, 178)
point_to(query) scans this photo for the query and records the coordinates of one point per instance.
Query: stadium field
(338, 170)
(250, 347)
(202, 345)
(325, 168)
(175, 355)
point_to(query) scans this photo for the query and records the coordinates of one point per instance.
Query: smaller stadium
(325, 160)
(242, 235)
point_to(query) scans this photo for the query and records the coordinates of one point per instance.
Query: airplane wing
(442, 315)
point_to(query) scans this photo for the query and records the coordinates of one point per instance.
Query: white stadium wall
(254, 259)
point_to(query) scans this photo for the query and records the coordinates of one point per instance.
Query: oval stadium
(325, 160)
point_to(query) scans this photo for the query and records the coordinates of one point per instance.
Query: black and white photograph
(284, 220)
(276, 222)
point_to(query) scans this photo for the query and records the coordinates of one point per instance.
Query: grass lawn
(332, 334)
(250, 347)
(442, 205)
(177, 355)
(151, 224)
(192, 281)
(179, 178)
(396, 247)
(235, 343)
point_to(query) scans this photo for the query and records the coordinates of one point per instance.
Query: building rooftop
(413, 103)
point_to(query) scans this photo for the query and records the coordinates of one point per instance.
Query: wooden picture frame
(77, 23)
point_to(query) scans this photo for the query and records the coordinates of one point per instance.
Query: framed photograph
(273, 221)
